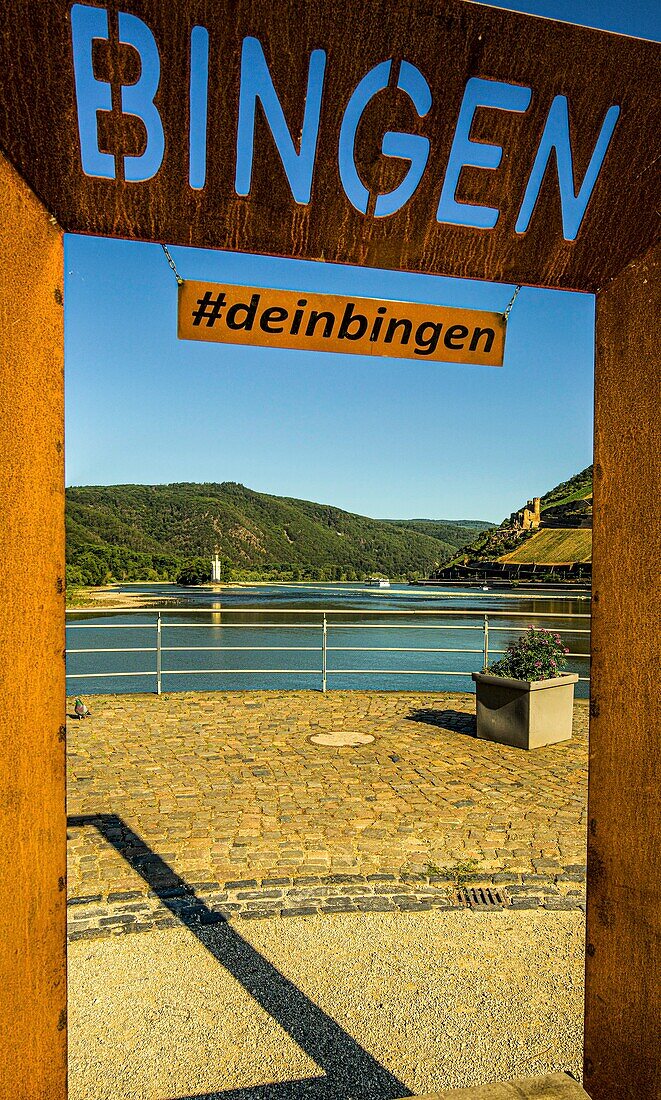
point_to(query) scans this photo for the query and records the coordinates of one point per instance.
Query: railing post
(486, 640)
(158, 653)
(323, 655)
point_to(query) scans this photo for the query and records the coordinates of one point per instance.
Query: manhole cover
(336, 739)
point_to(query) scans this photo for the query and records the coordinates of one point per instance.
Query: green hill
(567, 507)
(452, 532)
(569, 504)
(578, 487)
(148, 532)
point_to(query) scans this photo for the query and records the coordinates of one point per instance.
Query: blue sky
(387, 438)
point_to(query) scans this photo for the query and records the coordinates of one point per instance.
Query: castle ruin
(527, 518)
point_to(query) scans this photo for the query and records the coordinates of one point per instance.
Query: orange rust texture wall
(32, 765)
(624, 855)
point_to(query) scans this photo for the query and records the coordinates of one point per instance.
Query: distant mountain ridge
(148, 532)
(445, 530)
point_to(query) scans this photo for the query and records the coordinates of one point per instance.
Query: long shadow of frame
(350, 1073)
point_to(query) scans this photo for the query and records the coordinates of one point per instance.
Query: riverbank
(146, 594)
(114, 596)
(110, 596)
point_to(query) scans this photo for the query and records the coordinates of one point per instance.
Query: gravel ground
(360, 1005)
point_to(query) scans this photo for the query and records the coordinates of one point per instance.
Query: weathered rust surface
(32, 776)
(448, 40)
(623, 993)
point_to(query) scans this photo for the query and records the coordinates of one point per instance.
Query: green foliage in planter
(536, 655)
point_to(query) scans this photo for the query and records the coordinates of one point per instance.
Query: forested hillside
(150, 532)
(567, 506)
(445, 530)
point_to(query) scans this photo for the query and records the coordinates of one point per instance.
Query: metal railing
(326, 622)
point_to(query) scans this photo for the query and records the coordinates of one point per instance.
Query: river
(231, 629)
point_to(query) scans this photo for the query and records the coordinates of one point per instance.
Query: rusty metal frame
(43, 191)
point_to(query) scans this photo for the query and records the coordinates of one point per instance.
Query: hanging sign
(264, 317)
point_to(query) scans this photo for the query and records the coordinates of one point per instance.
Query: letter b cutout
(94, 95)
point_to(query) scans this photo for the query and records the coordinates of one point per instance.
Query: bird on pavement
(81, 709)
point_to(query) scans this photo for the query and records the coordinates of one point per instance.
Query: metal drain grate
(481, 897)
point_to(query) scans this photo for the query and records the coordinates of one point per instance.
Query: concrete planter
(524, 715)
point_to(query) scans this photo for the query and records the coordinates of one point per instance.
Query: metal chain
(511, 303)
(180, 281)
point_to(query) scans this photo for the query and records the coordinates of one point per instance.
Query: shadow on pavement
(350, 1073)
(456, 720)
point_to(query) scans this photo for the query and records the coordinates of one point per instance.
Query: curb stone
(119, 913)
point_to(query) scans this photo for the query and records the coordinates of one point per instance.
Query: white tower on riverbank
(215, 569)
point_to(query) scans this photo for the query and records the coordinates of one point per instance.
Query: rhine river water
(236, 638)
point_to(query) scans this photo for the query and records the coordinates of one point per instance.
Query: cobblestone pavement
(218, 804)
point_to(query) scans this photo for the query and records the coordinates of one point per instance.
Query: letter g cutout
(411, 147)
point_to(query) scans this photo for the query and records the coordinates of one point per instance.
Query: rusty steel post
(32, 685)
(623, 1019)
